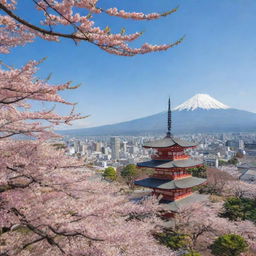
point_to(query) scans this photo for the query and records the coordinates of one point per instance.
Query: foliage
(223, 162)
(229, 245)
(130, 173)
(240, 209)
(199, 172)
(172, 240)
(110, 173)
(59, 146)
(232, 161)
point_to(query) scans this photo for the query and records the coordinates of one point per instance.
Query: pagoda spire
(169, 119)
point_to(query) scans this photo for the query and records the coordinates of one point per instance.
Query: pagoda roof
(169, 163)
(177, 205)
(169, 142)
(170, 184)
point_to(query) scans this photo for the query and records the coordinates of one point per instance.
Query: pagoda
(171, 178)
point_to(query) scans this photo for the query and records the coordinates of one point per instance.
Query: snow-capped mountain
(201, 101)
(201, 113)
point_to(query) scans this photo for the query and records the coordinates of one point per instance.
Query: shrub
(172, 240)
(229, 245)
(130, 173)
(199, 172)
(110, 173)
(239, 208)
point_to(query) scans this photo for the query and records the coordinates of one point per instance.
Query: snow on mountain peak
(202, 101)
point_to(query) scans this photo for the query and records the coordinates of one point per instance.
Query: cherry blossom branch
(111, 43)
(36, 28)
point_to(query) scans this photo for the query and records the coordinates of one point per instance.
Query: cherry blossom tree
(240, 189)
(51, 204)
(217, 180)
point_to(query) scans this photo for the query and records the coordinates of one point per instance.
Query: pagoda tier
(170, 142)
(171, 178)
(165, 185)
(171, 189)
(167, 164)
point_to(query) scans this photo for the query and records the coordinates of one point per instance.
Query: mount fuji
(199, 114)
(201, 101)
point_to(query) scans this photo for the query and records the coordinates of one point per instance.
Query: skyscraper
(115, 147)
(125, 146)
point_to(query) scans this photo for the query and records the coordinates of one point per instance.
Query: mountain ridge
(199, 114)
(197, 121)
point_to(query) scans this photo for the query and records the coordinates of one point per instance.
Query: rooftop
(169, 163)
(177, 205)
(170, 184)
(169, 142)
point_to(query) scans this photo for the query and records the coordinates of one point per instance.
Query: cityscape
(213, 149)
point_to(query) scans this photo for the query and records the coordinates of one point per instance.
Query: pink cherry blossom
(17, 31)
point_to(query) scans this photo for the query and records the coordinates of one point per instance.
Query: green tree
(240, 208)
(199, 172)
(233, 161)
(130, 173)
(229, 245)
(110, 174)
(222, 162)
(172, 240)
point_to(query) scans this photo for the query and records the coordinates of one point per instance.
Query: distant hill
(201, 113)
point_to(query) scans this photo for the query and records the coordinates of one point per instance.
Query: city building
(125, 146)
(171, 178)
(115, 147)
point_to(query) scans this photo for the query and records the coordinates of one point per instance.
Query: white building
(213, 162)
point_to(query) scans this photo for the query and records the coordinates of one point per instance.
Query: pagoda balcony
(170, 176)
(172, 196)
(174, 156)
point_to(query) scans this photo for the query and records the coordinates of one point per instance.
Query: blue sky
(218, 57)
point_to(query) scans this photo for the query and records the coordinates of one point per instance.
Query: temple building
(171, 178)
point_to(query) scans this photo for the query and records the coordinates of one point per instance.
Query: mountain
(201, 113)
(201, 101)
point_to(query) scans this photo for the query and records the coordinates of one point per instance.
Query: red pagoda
(171, 178)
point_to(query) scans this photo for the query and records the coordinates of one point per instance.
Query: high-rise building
(96, 146)
(115, 147)
(77, 146)
(241, 144)
(125, 146)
